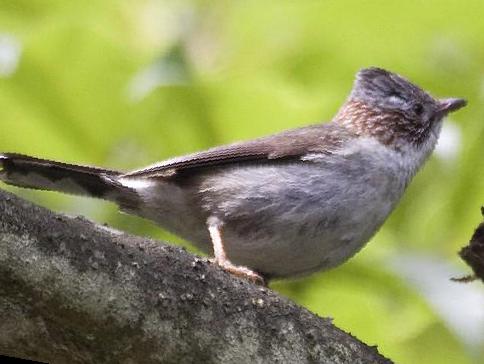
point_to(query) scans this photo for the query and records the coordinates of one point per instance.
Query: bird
(280, 206)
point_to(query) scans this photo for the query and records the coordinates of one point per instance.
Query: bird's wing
(291, 144)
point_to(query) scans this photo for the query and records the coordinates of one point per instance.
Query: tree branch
(473, 254)
(73, 291)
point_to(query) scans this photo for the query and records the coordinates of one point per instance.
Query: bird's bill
(451, 104)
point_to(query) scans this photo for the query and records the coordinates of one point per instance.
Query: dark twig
(473, 254)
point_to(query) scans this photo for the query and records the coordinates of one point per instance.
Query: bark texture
(72, 291)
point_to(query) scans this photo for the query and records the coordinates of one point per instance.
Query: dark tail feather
(23, 171)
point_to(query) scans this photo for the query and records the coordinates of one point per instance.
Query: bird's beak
(449, 105)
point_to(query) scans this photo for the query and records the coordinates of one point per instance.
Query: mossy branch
(72, 291)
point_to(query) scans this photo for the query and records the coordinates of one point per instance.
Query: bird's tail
(29, 172)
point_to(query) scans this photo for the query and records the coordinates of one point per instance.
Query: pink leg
(214, 228)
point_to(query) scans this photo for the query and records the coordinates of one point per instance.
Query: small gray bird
(284, 205)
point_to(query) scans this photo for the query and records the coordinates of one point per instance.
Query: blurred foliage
(127, 83)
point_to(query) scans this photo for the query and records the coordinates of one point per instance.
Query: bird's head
(385, 105)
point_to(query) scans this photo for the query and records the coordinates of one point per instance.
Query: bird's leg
(215, 230)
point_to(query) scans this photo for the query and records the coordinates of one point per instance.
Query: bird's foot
(215, 230)
(241, 272)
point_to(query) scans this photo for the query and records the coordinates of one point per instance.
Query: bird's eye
(418, 109)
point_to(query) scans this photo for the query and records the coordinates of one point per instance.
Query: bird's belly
(300, 219)
(299, 247)
(281, 221)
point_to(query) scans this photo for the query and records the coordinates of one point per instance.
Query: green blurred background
(127, 83)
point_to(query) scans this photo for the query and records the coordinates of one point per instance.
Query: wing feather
(295, 143)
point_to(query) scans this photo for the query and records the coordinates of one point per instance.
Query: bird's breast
(302, 216)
